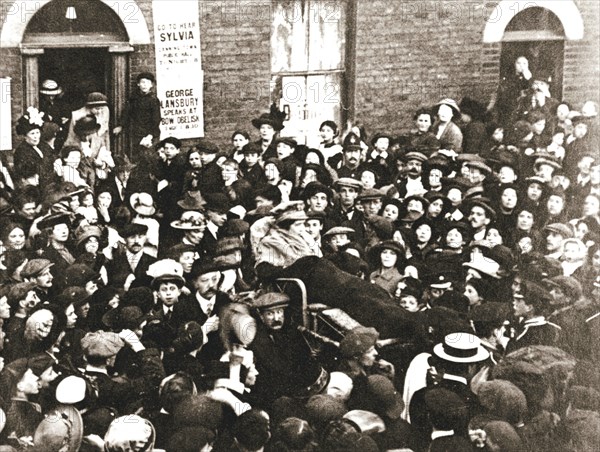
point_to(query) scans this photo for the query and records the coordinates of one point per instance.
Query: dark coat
(118, 269)
(534, 333)
(209, 179)
(26, 156)
(110, 185)
(450, 444)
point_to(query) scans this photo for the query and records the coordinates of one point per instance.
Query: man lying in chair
(285, 364)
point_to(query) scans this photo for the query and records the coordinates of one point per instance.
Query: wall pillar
(119, 93)
(31, 96)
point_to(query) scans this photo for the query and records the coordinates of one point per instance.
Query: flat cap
(358, 341)
(348, 182)
(560, 228)
(271, 300)
(35, 267)
(370, 193)
(568, 285)
(414, 155)
(490, 312)
(101, 344)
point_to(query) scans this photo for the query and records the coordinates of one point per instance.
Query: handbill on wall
(5, 116)
(179, 76)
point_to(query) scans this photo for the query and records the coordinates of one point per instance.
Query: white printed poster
(5, 115)
(179, 76)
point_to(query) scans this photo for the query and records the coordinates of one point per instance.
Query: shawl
(282, 248)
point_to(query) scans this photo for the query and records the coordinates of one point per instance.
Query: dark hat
(312, 188)
(481, 202)
(217, 202)
(518, 131)
(31, 120)
(567, 285)
(348, 182)
(67, 149)
(75, 295)
(385, 396)
(122, 163)
(351, 142)
(201, 267)
(271, 300)
(437, 280)
(50, 88)
(322, 409)
(133, 229)
(190, 439)
(252, 148)
(543, 75)
(461, 348)
(226, 245)
(35, 267)
(207, 147)
(379, 135)
(234, 227)
(86, 125)
(17, 292)
(291, 142)
(480, 165)
(79, 275)
(490, 312)
(274, 118)
(192, 200)
(96, 100)
(503, 399)
(145, 75)
(170, 140)
(124, 317)
(460, 183)
(358, 341)
(198, 411)
(314, 215)
(389, 245)
(101, 344)
(560, 228)
(446, 409)
(176, 251)
(414, 155)
(60, 430)
(54, 219)
(370, 194)
(289, 211)
(98, 419)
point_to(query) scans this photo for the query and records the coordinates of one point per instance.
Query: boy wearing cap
(250, 166)
(166, 284)
(141, 117)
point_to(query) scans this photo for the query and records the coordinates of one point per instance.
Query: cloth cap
(446, 409)
(35, 267)
(386, 396)
(101, 344)
(60, 430)
(358, 341)
(79, 275)
(568, 285)
(414, 155)
(503, 399)
(369, 194)
(560, 228)
(348, 182)
(271, 300)
(18, 292)
(289, 211)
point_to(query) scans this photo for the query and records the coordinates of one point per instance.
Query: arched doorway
(84, 46)
(536, 33)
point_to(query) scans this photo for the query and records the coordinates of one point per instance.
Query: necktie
(209, 309)
(169, 314)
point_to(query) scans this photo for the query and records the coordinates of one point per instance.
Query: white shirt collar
(213, 228)
(441, 433)
(204, 303)
(100, 370)
(455, 378)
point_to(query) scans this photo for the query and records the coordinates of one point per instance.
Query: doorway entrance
(78, 71)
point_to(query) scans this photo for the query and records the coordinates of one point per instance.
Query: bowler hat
(192, 200)
(201, 267)
(217, 202)
(86, 125)
(461, 347)
(170, 140)
(142, 203)
(75, 295)
(96, 100)
(122, 163)
(133, 229)
(50, 88)
(271, 300)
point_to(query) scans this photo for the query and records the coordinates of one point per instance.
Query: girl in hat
(390, 258)
(329, 146)
(446, 131)
(239, 139)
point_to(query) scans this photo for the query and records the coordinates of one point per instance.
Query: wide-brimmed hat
(122, 163)
(461, 348)
(96, 100)
(124, 317)
(190, 220)
(339, 230)
(31, 120)
(292, 210)
(50, 88)
(217, 202)
(61, 429)
(192, 200)
(274, 118)
(79, 275)
(142, 203)
(86, 125)
(52, 220)
(483, 265)
(82, 234)
(450, 103)
(133, 229)
(546, 160)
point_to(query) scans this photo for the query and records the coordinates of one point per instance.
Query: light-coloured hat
(190, 220)
(61, 430)
(71, 390)
(142, 203)
(339, 230)
(292, 210)
(166, 270)
(461, 348)
(50, 88)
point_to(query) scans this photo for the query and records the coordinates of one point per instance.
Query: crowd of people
(452, 273)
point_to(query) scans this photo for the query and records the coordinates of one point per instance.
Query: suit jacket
(110, 185)
(118, 269)
(208, 245)
(450, 444)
